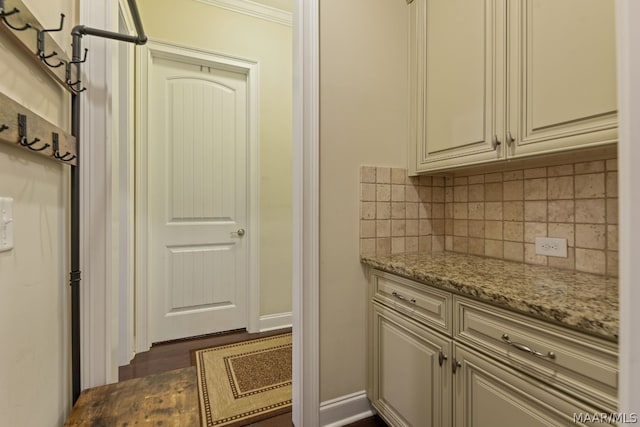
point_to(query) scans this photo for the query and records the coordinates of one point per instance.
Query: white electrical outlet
(550, 246)
(6, 224)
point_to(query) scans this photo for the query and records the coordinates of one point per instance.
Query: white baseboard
(345, 410)
(275, 321)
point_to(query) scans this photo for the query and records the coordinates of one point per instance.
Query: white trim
(345, 410)
(306, 194)
(628, 14)
(257, 10)
(198, 57)
(271, 322)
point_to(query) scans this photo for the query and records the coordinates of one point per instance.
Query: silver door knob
(239, 233)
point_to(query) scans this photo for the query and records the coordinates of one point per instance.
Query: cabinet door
(487, 393)
(410, 386)
(457, 83)
(562, 68)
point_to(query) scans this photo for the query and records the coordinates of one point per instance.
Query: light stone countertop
(582, 301)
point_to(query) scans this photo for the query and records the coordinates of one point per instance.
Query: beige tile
(411, 227)
(437, 194)
(368, 174)
(398, 193)
(493, 230)
(535, 189)
(438, 243)
(367, 192)
(560, 187)
(476, 192)
(612, 164)
(383, 192)
(460, 227)
(476, 229)
(411, 210)
(493, 192)
(437, 181)
(367, 210)
(437, 226)
(513, 231)
(493, 210)
(397, 245)
(414, 181)
(513, 211)
(589, 167)
(437, 210)
(568, 263)
(493, 248)
(398, 228)
(476, 246)
(535, 173)
(383, 210)
(460, 210)
(424, 226)
(563, 231)
(533, 230)
(411, 244)
(425, 244)
(513, 190)
(411, 193)
(514, 251)
(535, 211)
(591, 261)
(591, 236)
(383, 175)
(461, 193)
(367, 228)
(612, 237)
(426, 180)
(448, 210)
(590, 211)
(612, 211)
(448, 181)
(367, 246)
(612, 184)
(476, 179)
(461, 180)
(461, 244)
(530, 256)
(425, 194)
(476, 210)
(424, 210)
(561, 211)
(383, 228)
(612, 263)
(560, 170)
(448, 227)
(590, 186)
(398, 176)
(383, 246)
(513, 175)
(448, 194)
(493, 177)
(398, 210)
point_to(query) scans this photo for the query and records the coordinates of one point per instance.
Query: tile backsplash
(497, 215)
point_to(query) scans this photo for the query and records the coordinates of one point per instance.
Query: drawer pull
(441, 357)
(522, 347)
(403, 298)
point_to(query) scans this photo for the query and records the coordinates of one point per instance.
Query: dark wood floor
(174, 355)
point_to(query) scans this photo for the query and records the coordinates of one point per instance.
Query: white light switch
(6, 224)
(551, 246)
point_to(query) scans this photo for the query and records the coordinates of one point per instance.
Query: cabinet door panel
(456, 82)
(563, 74)
(410, 388)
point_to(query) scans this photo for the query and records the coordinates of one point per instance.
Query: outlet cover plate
(551, 246)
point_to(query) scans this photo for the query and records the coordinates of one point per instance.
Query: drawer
(422, 303)
(579, 364)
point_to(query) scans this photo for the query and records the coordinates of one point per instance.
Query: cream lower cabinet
(497, 79)
(438, 360)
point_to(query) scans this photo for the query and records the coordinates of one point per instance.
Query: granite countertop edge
(581, 301)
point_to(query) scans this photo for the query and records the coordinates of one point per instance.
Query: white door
(197, 199)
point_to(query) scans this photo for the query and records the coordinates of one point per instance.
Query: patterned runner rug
(245, 382)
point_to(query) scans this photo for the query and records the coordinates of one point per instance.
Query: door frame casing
(157, 49)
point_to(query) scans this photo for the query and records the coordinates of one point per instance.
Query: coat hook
(68, 73)
(56, 153)
(41, 50)
(4, 15)
(3, 127)
(22, 133)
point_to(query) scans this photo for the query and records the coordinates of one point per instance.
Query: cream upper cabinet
(493, 79)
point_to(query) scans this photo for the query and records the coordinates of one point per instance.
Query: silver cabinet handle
(495, 142)
(526, 349)
(441, 357)
(455, 366)
(239, 233)
(402, 297)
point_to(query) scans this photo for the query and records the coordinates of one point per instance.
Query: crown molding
(254, 9)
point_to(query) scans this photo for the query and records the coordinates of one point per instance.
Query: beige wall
(34, 293)
(363, 120)
(195, 24)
